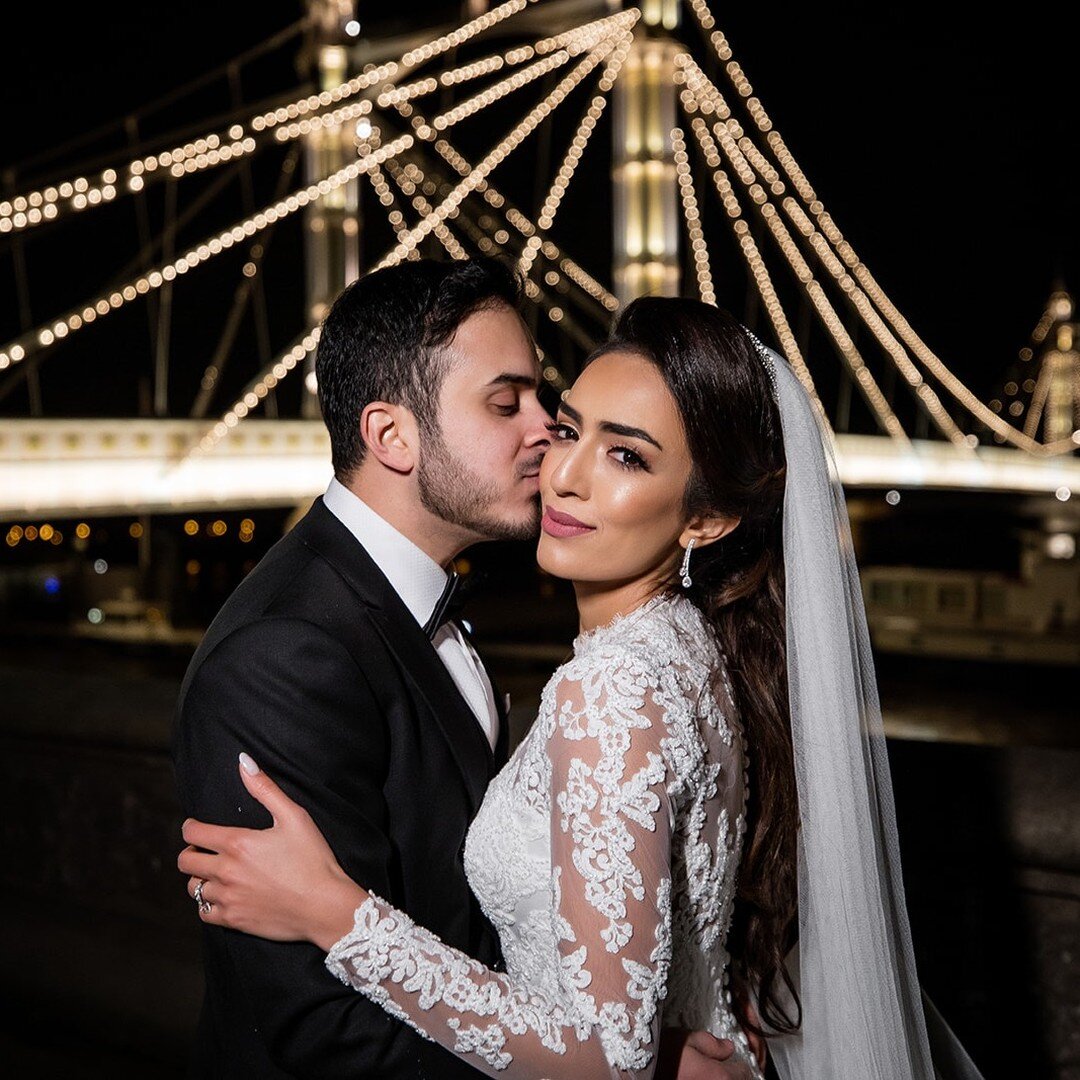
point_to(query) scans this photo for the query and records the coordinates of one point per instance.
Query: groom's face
(479, 467)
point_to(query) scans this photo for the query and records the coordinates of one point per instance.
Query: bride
(698, 829)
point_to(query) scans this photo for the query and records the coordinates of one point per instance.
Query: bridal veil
(863, 1014)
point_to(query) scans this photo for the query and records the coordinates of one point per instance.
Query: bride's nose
(570, 475)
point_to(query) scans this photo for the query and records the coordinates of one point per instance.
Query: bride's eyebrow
(611, 426)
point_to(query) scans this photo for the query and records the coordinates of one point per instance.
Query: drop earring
(684, 570)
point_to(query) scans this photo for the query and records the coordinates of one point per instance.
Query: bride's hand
(281, 883)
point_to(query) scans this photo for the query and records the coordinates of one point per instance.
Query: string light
(503, 88)
(692, 216)
(734, 142)
(257, 390)
(581, 277)
(34, 207)
(1003, 430)
(576, 273)
(577, 42)
(620, 22)
(410, 178)
(300, 128)
(533, 292)
(888, 420)
(381, 187)
(242, 407)
(579, 39)
(500, 90)
(206, 152)
(325, 98)
(494, 158)
(755, 263)
(870, 316)
(396, 94)
(45, 336)
(471, 71)
(574, 154)
(463, 33)
(1038, 400)
(954, 385)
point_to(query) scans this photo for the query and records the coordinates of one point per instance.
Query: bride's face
(618, 466)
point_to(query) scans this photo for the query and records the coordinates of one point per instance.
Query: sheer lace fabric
(605, 855)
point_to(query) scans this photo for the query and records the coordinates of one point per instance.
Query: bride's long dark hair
(732, 427)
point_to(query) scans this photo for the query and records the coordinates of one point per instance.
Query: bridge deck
(67, 468)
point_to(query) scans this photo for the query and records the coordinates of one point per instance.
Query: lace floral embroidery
(605, 856)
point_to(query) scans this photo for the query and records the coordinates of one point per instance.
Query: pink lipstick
(555, 523)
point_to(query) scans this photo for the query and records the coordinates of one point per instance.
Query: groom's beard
(450, 490)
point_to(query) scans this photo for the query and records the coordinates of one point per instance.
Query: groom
(337, 664)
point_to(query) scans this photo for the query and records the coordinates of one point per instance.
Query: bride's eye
(629, 459)
(561, 432)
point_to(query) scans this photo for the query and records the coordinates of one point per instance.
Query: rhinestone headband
(766, 359)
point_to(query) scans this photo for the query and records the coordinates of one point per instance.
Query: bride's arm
(610, 833)
(610, 844)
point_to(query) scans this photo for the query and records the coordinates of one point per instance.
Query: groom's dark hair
(383, 339)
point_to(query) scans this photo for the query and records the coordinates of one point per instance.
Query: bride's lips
(555, 523)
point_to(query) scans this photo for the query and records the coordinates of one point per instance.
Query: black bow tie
(449, 606)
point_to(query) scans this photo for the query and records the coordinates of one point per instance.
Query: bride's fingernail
(248, 765)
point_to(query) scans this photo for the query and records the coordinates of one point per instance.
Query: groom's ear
(391, 435)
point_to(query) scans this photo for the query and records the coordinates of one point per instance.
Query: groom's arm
(290, 695)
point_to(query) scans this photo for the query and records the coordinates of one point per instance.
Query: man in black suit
(336, 666)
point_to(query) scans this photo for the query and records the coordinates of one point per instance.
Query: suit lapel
(497, 758)
(322, 532)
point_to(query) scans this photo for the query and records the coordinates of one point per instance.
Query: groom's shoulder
(295, 583)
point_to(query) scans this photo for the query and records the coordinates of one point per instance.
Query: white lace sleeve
(611, 885)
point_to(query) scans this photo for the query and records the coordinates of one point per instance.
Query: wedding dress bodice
(605, 854)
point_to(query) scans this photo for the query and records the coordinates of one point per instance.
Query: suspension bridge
(698, 173)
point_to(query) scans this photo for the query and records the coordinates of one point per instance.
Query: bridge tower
(1043, 387)
(332, 223)
(646, 227)
(1057, 389)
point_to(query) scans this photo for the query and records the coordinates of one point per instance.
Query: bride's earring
(684, 570)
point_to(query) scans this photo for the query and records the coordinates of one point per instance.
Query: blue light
(52, 585)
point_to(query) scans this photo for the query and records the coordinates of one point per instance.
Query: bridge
(698, 171)
(397, 148)
(78, 468)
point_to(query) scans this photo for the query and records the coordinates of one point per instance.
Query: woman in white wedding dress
(675, 820)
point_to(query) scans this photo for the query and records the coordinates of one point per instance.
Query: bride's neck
(600, 602)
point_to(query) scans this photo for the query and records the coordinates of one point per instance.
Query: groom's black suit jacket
(316, 668)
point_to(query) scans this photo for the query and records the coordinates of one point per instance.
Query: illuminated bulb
(46, 336)
(1061, 546)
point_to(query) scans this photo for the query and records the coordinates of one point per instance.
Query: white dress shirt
(419, 580)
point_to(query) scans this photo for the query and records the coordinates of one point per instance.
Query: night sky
(942, 148)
